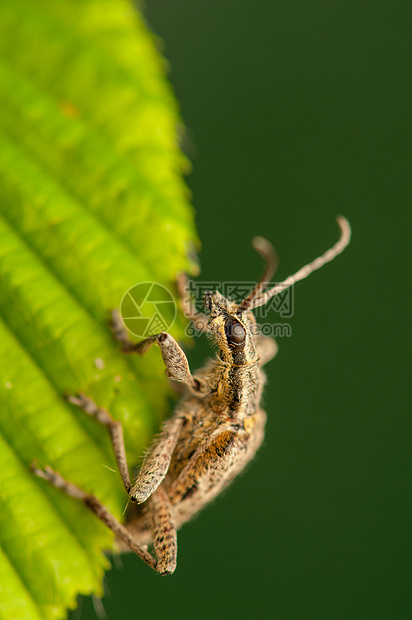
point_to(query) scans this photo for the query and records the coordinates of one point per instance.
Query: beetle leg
(199, 320)
(164, 534)
(114, 428)
(102, 513)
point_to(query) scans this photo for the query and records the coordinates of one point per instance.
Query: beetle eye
(235, 333)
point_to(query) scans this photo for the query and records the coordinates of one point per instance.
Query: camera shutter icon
(147, 309)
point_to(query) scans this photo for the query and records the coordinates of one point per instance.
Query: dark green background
(298, 111)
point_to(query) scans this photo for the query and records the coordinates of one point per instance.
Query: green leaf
(91, 202)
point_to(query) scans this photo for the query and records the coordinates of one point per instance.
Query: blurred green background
(296, 112)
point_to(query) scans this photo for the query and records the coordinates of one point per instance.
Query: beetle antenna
(267, 252)
(345, 235)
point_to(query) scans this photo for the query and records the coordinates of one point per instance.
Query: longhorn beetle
(216, 428)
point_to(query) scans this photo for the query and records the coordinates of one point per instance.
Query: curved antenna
(267, 252)
(340, 245)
